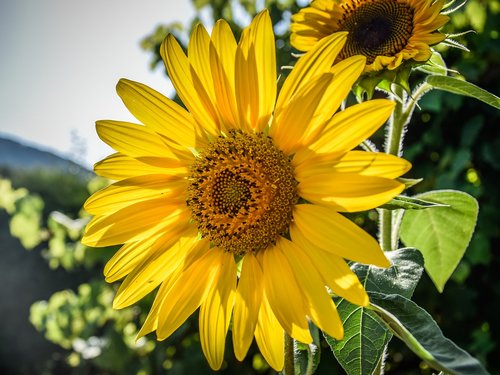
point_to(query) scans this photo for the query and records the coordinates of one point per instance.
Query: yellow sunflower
(232, 204)
(386, 32)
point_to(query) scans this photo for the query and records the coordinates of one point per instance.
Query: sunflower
(232, 204)
(387, 32)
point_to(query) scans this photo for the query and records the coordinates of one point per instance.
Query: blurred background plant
(453, 143)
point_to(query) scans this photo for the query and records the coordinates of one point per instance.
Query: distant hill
(17, 156)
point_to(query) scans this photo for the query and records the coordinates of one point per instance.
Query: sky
(60, 61)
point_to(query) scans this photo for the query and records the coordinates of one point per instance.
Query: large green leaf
(365, 338)
(416, 328)
(401, 278)
(441, 233)
(365, 335)
(460, 87)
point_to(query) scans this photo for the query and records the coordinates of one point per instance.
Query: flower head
(242, 175)
(387, 32)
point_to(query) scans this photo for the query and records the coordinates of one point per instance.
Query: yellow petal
(135, 140)
(134, 190)
(215, 313)
(334, 271)
(348, 192)
(153, 319)
(127, 258)
(350, 127)
(256, 73)
(151, 322)
(322, 310)
(301, 113)
(155, 268)
(361, 162)
(315, 62)
(225, 46)
(334, 233)
(246, 90)
(222, 81)
(346, 73)
(183, 77)
(198, 56)
(119, 166)
(246, 306)
(261, 31)
(304, 117)
(158, 112)
(285, 295)
(270, 336)
(223, 50)
(188, 292)
(133, 223)
(130, 255)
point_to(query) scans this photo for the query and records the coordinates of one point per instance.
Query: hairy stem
(289, 368)
(405, 105)
(385, 229)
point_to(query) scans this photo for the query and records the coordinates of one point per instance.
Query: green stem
(401, 117)
(289, 368)
(394, 136)
(385, 229)
(388, 236)
(393, 145)
(310, 362)
(380, 369)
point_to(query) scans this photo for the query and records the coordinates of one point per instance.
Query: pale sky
(60, 62)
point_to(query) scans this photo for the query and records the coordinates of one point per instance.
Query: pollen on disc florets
(241, 192)
(376, 28)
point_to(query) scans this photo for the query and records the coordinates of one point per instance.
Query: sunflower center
(242, 191)
(376, 28)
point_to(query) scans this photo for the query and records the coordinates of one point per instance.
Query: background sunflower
(387, 32)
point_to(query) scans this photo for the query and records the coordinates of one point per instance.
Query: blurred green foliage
(453, 143)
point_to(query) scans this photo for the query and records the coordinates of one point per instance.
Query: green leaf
(416, 328)
(435, 65)
(365, 338)
(401, 278)
(457, 86)
(365, 335)
(409, 182)
(441, 234)
(409, 203)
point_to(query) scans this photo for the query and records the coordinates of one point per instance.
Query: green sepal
(384, 80)
(434, 66)
(410, 182)
(410, 203)
(418, 330)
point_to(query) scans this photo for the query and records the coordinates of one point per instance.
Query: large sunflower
(387, 32)
(242, 179)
